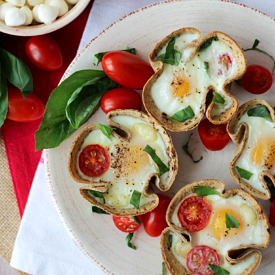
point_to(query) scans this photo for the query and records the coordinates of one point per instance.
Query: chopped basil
(171, 56)
(202, 191)
(207, 43)
(98, 210)
(97, 194)
(218, 99)
(106, 130)
(128, 240)
(259, 111)
(218, 270)
(170, 240)
(162, 167)
(185, 149)
(244, 173)
(231, 221)
(206, 66)
(98, 56)
(163, 269)
(136, 219)
(135, 199)
(183, 114)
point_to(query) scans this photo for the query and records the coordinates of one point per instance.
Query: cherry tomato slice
(272, 213)
(126, 69)
(22, 109)
(127, 224)
(44, 52)
(121, 98)
(94, 160)
(155, 221)
(257, 79)
(214, 137)
(194, 213)
(199, 258)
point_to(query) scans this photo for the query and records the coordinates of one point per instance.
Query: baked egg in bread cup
(192, 77)
(212, 231)
(116, 164)
(252, 129)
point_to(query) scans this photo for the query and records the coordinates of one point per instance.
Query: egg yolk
(219, 224)
(180, 85)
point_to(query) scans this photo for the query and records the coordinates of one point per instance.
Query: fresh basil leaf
(97, 195)
(98, 210)
(3, 99)
(135, 199)
(218, 270)
(106, 130)
(162, 167)
(202, 191)
(128, 240)
(170, 240)
(231, 221)
(136, 219)
(98, 56)
(171, 56)
(185, 149)
(183, 114)
(259, 111)
(17, 72)
(218, 99)
(244, 173)
(205, 44)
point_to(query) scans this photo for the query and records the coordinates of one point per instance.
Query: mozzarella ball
(33, 3)
(3, 9)
(44, 13)
(28, 13)
(61, 5)
(73, 2)
(18, 3)
(15, 17)
(35, 14)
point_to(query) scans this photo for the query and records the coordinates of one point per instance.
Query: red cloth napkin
(19, 137)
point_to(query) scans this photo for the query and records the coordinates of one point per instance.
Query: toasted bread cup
(254, 136)
(230, 244)
(130, 167)
(182, 88)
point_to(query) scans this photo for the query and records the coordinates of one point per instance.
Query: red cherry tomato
(121, 98)
(127, 224)
(44, 52)
(126, 69)
(257, 79)
(194, 213)
(94, 160)
(199, 258)
(22, 109)
(272, 213)
(214, 137)
(154, 222)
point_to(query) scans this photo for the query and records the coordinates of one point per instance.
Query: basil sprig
(231, 221)
(106, 130)
(171, 56)
(218, 99)
(183, 114)
(136, 219)
(207, 43)
(135, 199)
(97, 195)
(202, 191)
(244, 173)
(128, 240)
(186, 150)
(98, 210)
(259, 111)
(162, 167)
(218, 270)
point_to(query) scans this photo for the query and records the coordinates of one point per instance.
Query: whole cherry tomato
(121, 98)
(257, 79)
(127, 224)
(22, 109)
(214, 137)
(272, 213)
(44, 52)
(126, 69)
(154, 222)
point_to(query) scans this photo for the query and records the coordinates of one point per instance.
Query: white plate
(95, 234)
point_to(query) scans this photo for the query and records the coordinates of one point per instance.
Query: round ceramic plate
(95, 234)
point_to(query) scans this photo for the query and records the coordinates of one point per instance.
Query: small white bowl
(33, 30)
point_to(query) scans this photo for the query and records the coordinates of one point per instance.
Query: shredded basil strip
(136, 219)
(171, 56)
(135, 199)
(170, 240)
(259, 111)
(206, 67)
(97, 194)
(218, 270)
(163, 269)
(231, 221)
(185, 149)
(202, 191)
(183, 114)
(98, 56)
(207, 43)
(162, 167)
(98, 210)
(244, 173)
(128, 240)
(106, 130)
(218, 99)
